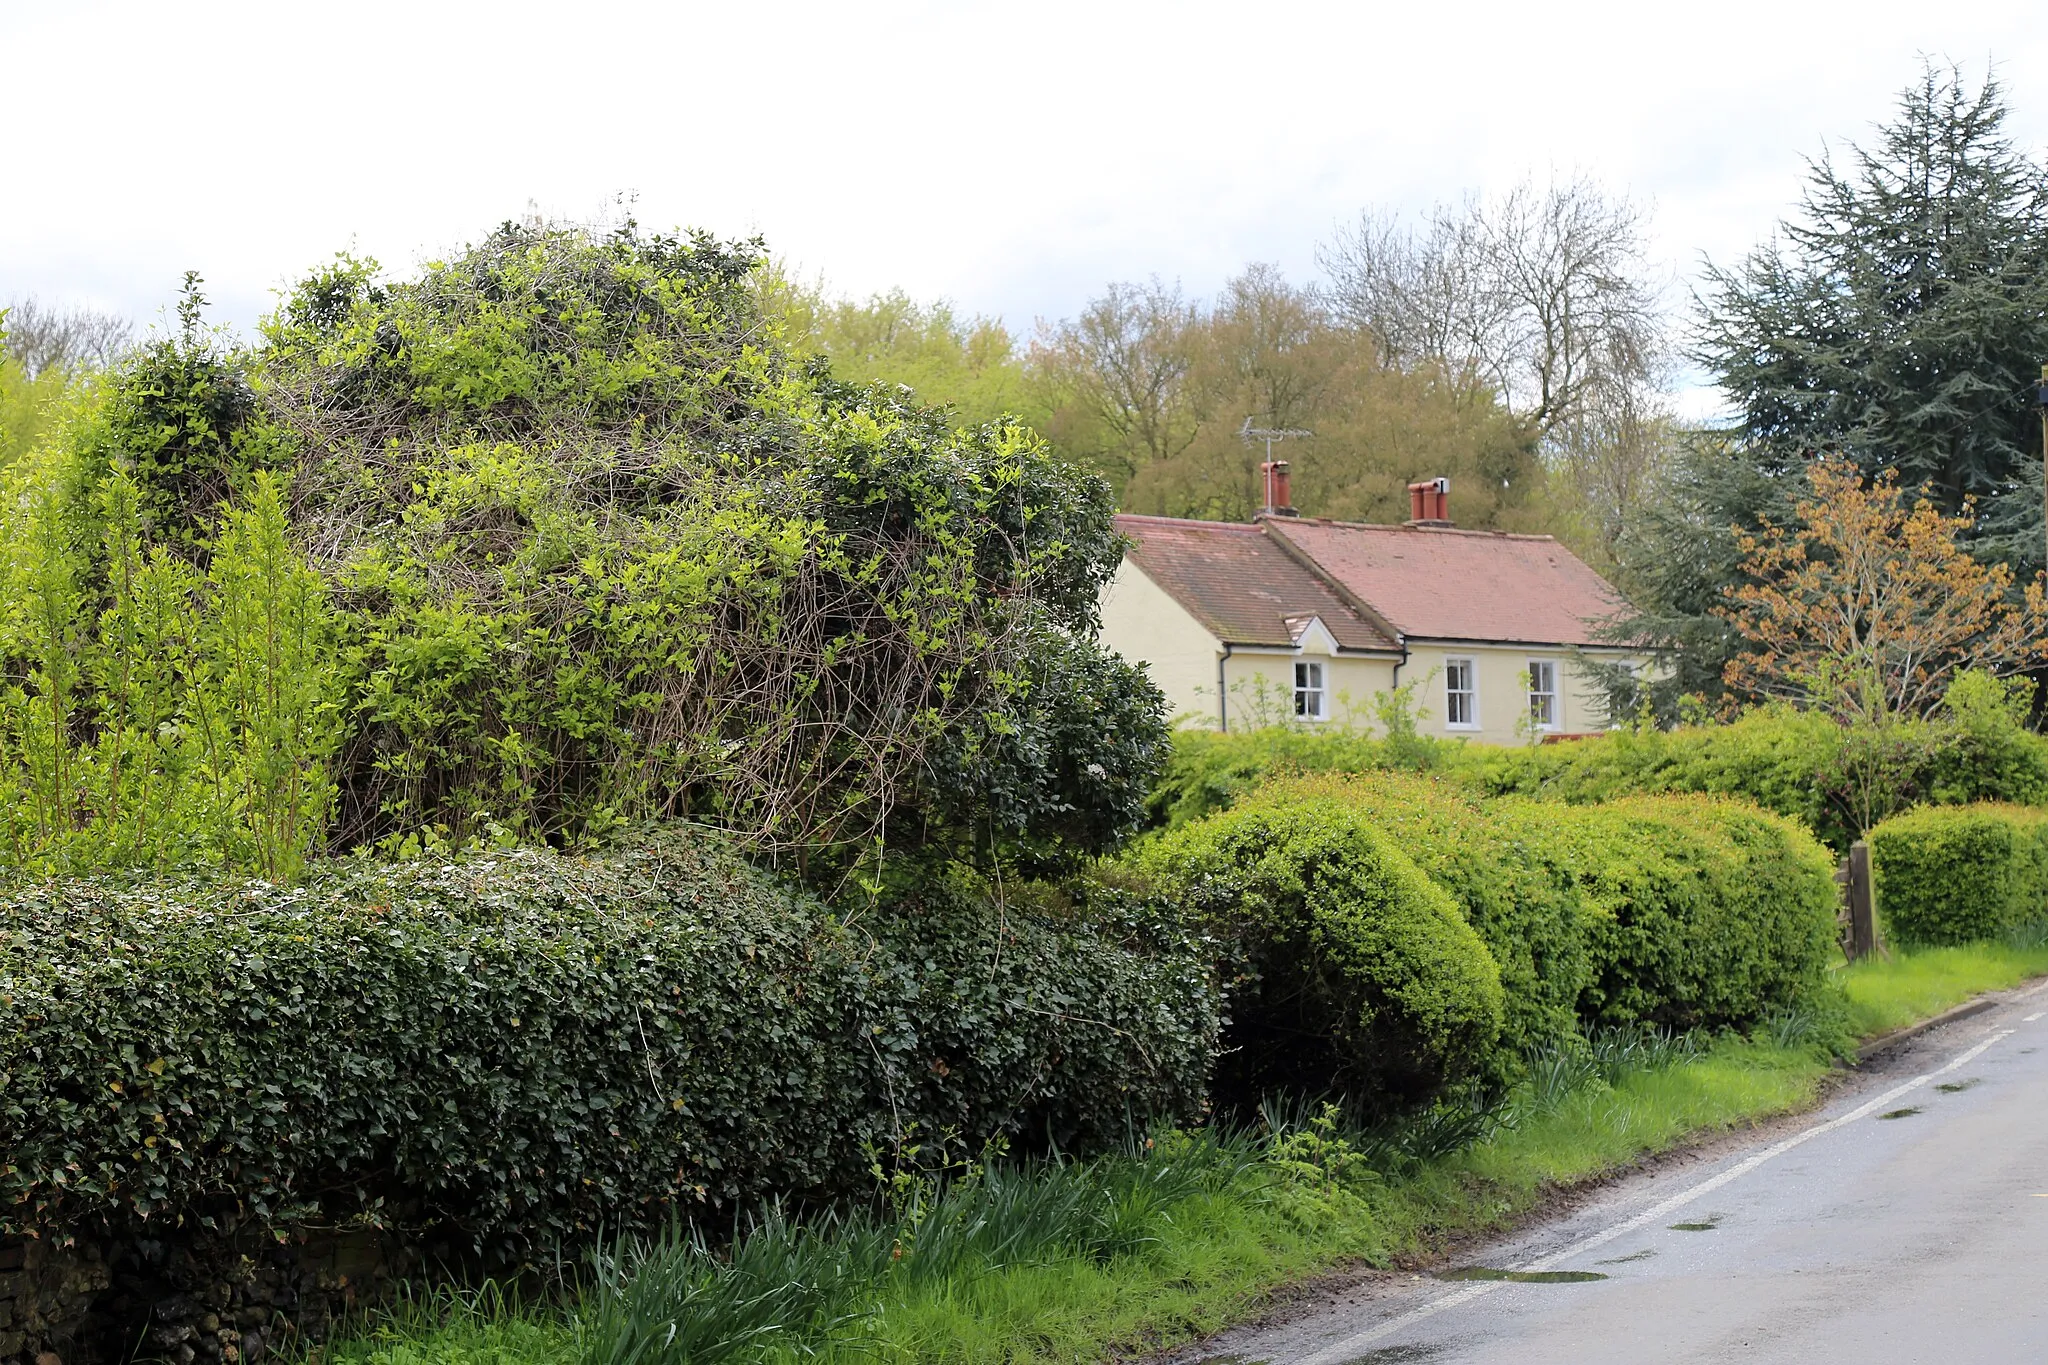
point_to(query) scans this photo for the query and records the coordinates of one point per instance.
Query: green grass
(1085, 1261)
(1890, 993)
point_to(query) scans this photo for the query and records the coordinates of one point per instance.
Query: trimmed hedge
(1527, 914)
(1353, 969)
(1948, 875)
(1975, 748)
(1698, 912)
(1673, 912)
(519, 1050)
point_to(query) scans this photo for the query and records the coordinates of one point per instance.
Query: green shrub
(1697, 911)
(524, 1048)
(1209, 771)
(552, 537)
(1527, 915)
(1835, 780)
(1354, 971)
(1952, 875)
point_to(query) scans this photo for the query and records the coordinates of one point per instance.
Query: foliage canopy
(592, 545)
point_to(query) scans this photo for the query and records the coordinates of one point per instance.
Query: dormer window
(1309, 697)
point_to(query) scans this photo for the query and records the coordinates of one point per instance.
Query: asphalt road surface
(1906, 1221)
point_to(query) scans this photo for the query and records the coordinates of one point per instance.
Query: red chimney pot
(1279, 499)
(1429, 503)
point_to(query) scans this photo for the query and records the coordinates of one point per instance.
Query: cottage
(1303, 619)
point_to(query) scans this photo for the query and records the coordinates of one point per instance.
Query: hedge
(519, 1050)
(1799, 764)
(1698, 912)
(1353, 971)
(1526, 913)
(1948, 875)
(1673, 912)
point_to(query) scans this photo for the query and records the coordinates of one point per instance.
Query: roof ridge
(1331, 523)
(1188, 521)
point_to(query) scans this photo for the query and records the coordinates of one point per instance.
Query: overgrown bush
(1951, 875)
(1353, 971)
(556, 537)
(523, 1048)
(605, 550)
(1527, 913)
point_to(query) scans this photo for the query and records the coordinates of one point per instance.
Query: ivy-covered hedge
(1352, 970)
(526, 1047)
(1960, 874)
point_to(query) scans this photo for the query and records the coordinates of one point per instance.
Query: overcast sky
(1011, 158)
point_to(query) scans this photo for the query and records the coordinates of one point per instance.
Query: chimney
(1429, 503)
(1279, 502)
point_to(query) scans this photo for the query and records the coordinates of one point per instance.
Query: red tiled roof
(1446, 584)
(1240, 584)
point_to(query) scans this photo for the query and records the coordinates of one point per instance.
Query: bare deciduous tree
(1541, 293)
(1126, 360)
(42, 338)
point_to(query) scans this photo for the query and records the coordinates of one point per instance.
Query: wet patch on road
(1487, 1272)
(1707, 1224)
(1645, 1254)
(1901, 1113)
(1958, 1087)
(1393, 1355)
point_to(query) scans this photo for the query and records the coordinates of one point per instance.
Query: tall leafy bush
(604, 549)
(156, 712)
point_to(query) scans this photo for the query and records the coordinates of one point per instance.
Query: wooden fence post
(1862, 903)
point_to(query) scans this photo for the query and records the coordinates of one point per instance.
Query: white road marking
(1351, 1346)
(2032, 1017)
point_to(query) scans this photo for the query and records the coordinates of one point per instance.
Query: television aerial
(1272, 474)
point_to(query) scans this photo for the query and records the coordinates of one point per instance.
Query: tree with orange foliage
(1869, 607)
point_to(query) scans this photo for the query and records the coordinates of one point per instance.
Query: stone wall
(188, 1300)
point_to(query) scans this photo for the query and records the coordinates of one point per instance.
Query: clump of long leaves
(786, 1286)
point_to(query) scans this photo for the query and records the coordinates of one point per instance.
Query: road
(1905, 1221)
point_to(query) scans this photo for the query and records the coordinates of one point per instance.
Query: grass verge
(1890, 993)
(1178, 1237)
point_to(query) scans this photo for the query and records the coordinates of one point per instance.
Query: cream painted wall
(1349, 680)
(1503, 699)
(1145, 625)
(1142, 622)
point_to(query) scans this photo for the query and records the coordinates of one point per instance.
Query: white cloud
(1012, 158)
